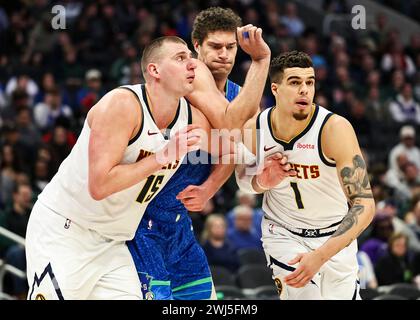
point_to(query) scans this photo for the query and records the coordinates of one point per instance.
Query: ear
(274, 87)
(196, 46)
(152, 70)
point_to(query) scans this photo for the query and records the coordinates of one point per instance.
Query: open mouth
(302, 103)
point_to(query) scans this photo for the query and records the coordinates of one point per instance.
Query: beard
(300, 116)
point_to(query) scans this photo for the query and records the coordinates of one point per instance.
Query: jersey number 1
(298, 197)
(151, 186)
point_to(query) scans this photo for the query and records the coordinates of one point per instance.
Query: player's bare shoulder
(337, 136)
(117, 104)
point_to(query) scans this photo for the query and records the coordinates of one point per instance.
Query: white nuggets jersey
(314, 198)
(116, 217)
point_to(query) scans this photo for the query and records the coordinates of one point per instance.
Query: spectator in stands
(361, 123)
(46, 112)
(25, 83)
(322, 100)
(379, 30)
(414, 48)
(415, 225)
(389, 207)
(60, 143)
(41, 176)
(18, 100)
(394, 266)
(395, 58)
(366, 274)
(48, 82)
(17, 215)
(395, 87)
(2, 95)
(10, 166)
(15, 256)
(70, 69)
(121, 68)
(382, 229)
(243, 235)
(404, 191)
(416, 88)
(27, 130)
(92, 92)
(291, 19)
(246, 199)
(407, 145)
(218, 249)
(15, 219)
(376, 109)
(199, 218)
(404, 108)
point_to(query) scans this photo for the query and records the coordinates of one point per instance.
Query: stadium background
(50, 78)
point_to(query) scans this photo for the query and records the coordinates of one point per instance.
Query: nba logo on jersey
(150, 224)
(145, 281)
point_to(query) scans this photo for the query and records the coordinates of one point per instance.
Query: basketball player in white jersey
(75, 241)
(312, 219)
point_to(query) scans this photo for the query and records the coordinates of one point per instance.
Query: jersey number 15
(151, 186)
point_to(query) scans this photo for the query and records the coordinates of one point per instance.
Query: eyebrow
(188, 53)
(220, 43)
(299, 78)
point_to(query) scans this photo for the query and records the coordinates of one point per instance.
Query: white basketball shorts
(336, 280)
(67, 261)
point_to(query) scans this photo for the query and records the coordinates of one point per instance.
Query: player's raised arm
(352, 173)
(214, 105)
(113, 121)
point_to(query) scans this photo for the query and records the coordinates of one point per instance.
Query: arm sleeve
(243, 170)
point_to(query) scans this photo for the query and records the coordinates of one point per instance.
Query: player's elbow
(96, 191)
(369, 211)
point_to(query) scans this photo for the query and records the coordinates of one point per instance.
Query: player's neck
(221, 83)
(285, 126)
(163, 106)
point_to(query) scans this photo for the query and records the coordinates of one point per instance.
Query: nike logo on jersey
(268, 149)
(151, 133)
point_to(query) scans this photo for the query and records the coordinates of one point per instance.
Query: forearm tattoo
(356, 185)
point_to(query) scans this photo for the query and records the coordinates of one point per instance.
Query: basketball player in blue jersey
(170, 262)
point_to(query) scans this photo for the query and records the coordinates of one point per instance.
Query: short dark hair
(150, 52)
(214, 19)
(288, 60)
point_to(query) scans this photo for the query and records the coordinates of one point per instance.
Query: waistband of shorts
(307, 233)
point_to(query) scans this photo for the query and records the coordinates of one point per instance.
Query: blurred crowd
(49, 80)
